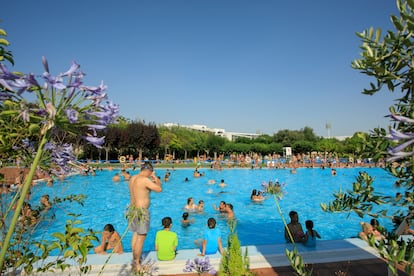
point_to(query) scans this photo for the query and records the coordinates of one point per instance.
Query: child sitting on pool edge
(166, 241)
(211, 243)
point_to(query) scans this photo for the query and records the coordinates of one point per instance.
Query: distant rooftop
(216, 131)
(230, 135)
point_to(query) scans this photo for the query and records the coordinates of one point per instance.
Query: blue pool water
(258, 223)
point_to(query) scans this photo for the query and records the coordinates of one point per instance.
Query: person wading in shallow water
(140, 186)
(295, 228)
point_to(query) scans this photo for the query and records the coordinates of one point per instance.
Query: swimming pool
(258, 223)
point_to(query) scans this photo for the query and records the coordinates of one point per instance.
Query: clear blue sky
(241, 65)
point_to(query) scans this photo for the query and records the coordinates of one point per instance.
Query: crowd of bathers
(402, 226)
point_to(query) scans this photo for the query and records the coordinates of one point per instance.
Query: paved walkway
(261, 256)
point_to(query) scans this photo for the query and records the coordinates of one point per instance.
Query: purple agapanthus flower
(106, 115)
(406, 139)
(45, 64)
(56, 82)
(4, 83)
(72, 70)
(199, 265)
(62, 156)
(96, 141)
(400, 118)
(62, 95)
(6, 74)
(19, 85)
(96, 127)
(76, 83)
(31, 80)
(29, 145)
(72, 115)
(97, 98)
(94, 90)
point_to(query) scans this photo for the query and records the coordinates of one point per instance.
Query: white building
(231, 136)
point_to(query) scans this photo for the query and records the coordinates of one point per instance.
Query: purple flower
(49, 146)
(402, 118)
(7, 86)
(97, 90)
(106, 116)
(77, 82)
(31, 80)
(28, 144)
(60, 96)
(72, 115)
(199, 265)
(20, 85)
(6, 74)
(45, 64)
(398, 152)
(96, 127)
(97, 98)
(56, 82)
(71, 70)
(62, 156)
(96, 141)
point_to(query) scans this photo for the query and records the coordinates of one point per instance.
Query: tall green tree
(166, 136)
(142, 137)
(215, 143)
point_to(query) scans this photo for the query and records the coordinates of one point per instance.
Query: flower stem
(284, 221)
(24, 191)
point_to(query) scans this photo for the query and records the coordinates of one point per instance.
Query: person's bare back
(139, 193)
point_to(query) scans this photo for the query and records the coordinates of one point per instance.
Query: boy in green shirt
(166, 241)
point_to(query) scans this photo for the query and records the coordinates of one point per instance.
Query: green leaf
(77, 230)
(83, 250)
(69, 253)
(377, 35)
(34, 128)
(4, 42)
(59, 236)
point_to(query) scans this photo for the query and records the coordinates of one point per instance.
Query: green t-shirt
(166, 242)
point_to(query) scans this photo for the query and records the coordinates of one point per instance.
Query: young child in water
(185, 221)
(311, 234)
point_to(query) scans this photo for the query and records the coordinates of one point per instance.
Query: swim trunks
(138, 220)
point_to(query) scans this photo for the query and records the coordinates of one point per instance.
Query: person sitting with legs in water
(166, 241)
(110, 240)
(211, 243)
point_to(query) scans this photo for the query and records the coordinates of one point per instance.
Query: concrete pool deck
(260, 256)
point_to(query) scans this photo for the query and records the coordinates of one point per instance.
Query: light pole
(328, 128)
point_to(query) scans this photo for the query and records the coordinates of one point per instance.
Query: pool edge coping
(261, 256)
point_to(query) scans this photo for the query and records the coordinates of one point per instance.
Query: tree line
(147, 140)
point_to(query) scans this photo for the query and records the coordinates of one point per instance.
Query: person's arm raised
(155, 183)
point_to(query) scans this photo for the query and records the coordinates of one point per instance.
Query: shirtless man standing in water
(140, 186)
